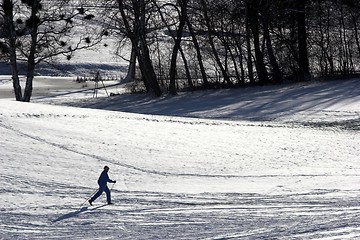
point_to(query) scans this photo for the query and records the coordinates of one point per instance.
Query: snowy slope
(285, 167)
(303, 102)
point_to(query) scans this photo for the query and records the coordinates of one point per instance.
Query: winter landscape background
(273, 162)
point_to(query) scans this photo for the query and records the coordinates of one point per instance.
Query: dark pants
(101, 190)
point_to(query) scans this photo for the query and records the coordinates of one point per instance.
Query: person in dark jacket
(102, 181)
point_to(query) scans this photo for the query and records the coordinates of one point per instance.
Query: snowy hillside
(278, 162)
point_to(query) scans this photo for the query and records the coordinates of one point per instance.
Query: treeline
(196, 43)
(231, 43)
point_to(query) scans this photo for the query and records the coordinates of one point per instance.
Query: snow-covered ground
(274, 162)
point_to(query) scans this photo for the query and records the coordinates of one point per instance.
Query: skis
(91, 204)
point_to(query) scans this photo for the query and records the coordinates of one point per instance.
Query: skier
(102, 181)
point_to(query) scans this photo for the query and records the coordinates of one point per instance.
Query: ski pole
(89, 197)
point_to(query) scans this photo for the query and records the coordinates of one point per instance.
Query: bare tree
(177, 12)
(266, 19)
(9, 47)
(210, 33)
(36, 31)
(179, 32)
(198, 52)
(300, 14)
(253, 18)
(134, 18)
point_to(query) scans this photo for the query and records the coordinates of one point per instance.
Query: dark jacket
(104, 179)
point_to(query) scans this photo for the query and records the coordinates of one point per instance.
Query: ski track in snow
(302, 183)
(63, 147)
(83, 153)
(206, 216)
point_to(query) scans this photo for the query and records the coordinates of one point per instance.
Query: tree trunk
(210, 31)
(249, 50)
(198, 53)
(302, 40)
(227, 46)
(150, 75)
(137, 37)
(254, 25)
(131, 73)
(186, 66)
(31, 57)
(356, 32)
(277, 74)
(10, 33)
(179, 32)
(239, 53)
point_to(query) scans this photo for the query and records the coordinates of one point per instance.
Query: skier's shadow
(75, 213)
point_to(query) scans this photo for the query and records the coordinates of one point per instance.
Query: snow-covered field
(276, 162)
